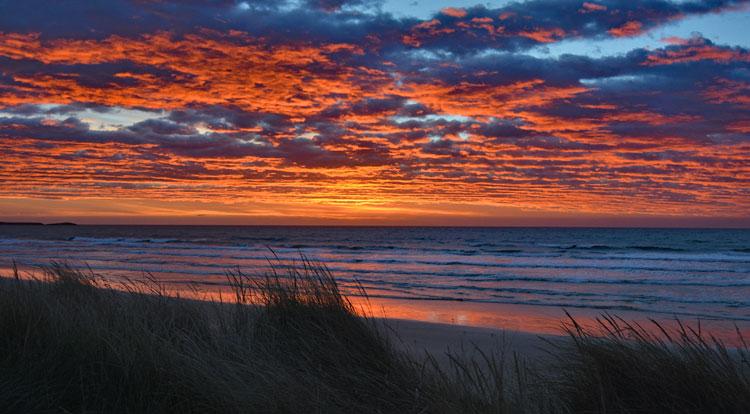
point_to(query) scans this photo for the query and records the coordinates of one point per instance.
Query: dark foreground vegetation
(69, 343)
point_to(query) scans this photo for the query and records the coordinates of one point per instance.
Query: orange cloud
(696, 52)
(544, 35)
(588, 7)
(361, 137)
(631, 28)
(453, 12)
(208, 68)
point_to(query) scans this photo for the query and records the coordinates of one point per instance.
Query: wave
(607, 263)
(678, 254)
(590, 265)
(127, 240)
(202, 268)
(607, 296)
(657, 248)
(634, 247)
(650, 252)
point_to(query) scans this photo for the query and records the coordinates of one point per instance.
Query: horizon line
(506, 226)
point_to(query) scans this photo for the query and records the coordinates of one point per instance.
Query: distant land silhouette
(31, 223)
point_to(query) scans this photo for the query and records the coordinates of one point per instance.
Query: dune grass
(623, 367)
(290, 342)
(70, 343)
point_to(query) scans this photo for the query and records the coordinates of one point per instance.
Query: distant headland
(31, 223)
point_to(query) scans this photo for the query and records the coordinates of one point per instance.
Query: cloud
(338, 100)
(454, 12)
(589, 7)
(630, 28)
(694, 50)
(521, 25)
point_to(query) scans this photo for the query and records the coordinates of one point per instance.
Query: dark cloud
(520, 25)
(388, 105)
(165, 135)
(517, 25)
(98, 75)
(185, 140)
(336, 5)
(503, 129)
(227, 117)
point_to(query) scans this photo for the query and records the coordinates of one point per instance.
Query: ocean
(694, 274)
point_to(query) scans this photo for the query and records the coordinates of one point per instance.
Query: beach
(439, 339)
(292, 342)
(444, 320)
(516, 279)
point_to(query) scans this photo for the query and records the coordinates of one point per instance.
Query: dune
(292, 342)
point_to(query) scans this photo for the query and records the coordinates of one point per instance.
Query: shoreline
(519, 320)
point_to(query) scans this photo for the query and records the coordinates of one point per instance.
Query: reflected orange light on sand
(538, 320)
(496, 316)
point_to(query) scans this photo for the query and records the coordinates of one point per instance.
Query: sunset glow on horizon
(623, 113)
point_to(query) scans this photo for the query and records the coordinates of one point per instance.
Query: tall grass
(290, 342)
(71, 343)
(618, 366)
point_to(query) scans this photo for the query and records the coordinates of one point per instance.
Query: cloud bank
(338, 103)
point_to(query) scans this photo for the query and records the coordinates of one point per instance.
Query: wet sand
(437, 339)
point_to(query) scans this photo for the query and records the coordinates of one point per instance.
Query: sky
(367, 112)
